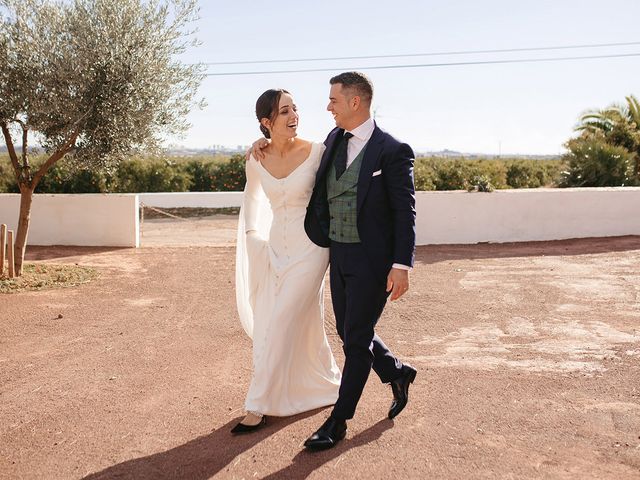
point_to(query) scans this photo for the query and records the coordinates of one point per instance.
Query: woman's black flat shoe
(242, 428)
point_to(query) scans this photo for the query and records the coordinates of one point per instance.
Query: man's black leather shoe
(330, 433)
(242, 428)
(400, 389)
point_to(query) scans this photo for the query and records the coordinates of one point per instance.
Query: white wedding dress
(279, 293)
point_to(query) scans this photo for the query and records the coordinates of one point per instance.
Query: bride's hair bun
(267, 107)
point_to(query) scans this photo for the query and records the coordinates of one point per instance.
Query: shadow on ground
(54, 252)
(425, 254)
(305, 463)
(429, 254)
(205, 456)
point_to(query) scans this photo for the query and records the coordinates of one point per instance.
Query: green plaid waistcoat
(342, 195)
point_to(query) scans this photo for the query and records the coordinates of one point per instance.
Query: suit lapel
(369, 162)
(330, 143)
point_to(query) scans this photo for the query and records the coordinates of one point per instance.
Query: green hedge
(138, 175)
(463, 174)
(7, 178)
(205, 174)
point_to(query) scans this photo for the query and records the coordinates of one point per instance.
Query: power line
(428, 65)
(429, 54)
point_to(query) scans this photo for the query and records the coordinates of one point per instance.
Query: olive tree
(94, 81)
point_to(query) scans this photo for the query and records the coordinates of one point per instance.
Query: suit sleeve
(402, 199)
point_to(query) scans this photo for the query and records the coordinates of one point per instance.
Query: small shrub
(481, 183)
(591, 162)
(200, 173)
(8, 182)
(229, 176)
(452, 175)
(424, 174)
(150, 176)
(532, 173)
(64, 177)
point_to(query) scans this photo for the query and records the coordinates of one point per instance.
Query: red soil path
(528, 357)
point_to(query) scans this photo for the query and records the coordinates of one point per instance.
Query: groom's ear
(355, 102)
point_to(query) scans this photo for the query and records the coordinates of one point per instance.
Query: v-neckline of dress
(292, 171)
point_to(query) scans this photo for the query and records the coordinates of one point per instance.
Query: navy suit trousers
(358, 299)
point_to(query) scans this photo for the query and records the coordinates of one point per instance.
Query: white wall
(192, 199)
(526, 214)
(84, 219)
(501, 216)
(442, 217)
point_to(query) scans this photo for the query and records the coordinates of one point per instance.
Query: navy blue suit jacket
(385, 202)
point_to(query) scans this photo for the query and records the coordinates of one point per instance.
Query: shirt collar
(364, 130)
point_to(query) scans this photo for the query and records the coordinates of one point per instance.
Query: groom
(363, 209)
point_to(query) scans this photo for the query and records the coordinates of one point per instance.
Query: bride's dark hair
(267, 107)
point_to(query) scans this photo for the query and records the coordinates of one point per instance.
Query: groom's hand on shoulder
(257, 149)
(397, 282)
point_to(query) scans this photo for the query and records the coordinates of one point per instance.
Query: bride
(280, 274)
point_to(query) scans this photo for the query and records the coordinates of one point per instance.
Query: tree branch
(11, 149)
(22, 124)
(58, 154)
(61, 152)
(25, 158)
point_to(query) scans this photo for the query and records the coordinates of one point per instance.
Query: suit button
(344, 219)
(333, 232)
(331, 217)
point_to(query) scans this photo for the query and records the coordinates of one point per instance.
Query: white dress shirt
(361, 135)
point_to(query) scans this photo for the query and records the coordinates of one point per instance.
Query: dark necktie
(340, 161)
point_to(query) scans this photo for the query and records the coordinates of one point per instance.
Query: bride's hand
(257, 149)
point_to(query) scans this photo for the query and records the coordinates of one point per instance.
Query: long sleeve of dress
(254, 224)
(252, 196)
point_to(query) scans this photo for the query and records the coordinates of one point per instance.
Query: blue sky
(521, 108)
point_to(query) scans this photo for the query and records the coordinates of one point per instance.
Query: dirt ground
(528, 359)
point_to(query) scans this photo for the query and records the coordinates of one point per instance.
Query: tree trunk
(26, 197)
(28, 185)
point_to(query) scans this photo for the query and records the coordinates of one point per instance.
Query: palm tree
(618, 124)
(605, 120)
(598, 121)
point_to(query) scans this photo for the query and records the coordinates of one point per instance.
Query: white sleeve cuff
(401, 267)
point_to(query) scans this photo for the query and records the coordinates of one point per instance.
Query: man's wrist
(401, 267)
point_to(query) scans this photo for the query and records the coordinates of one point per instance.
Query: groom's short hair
(358, 83)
